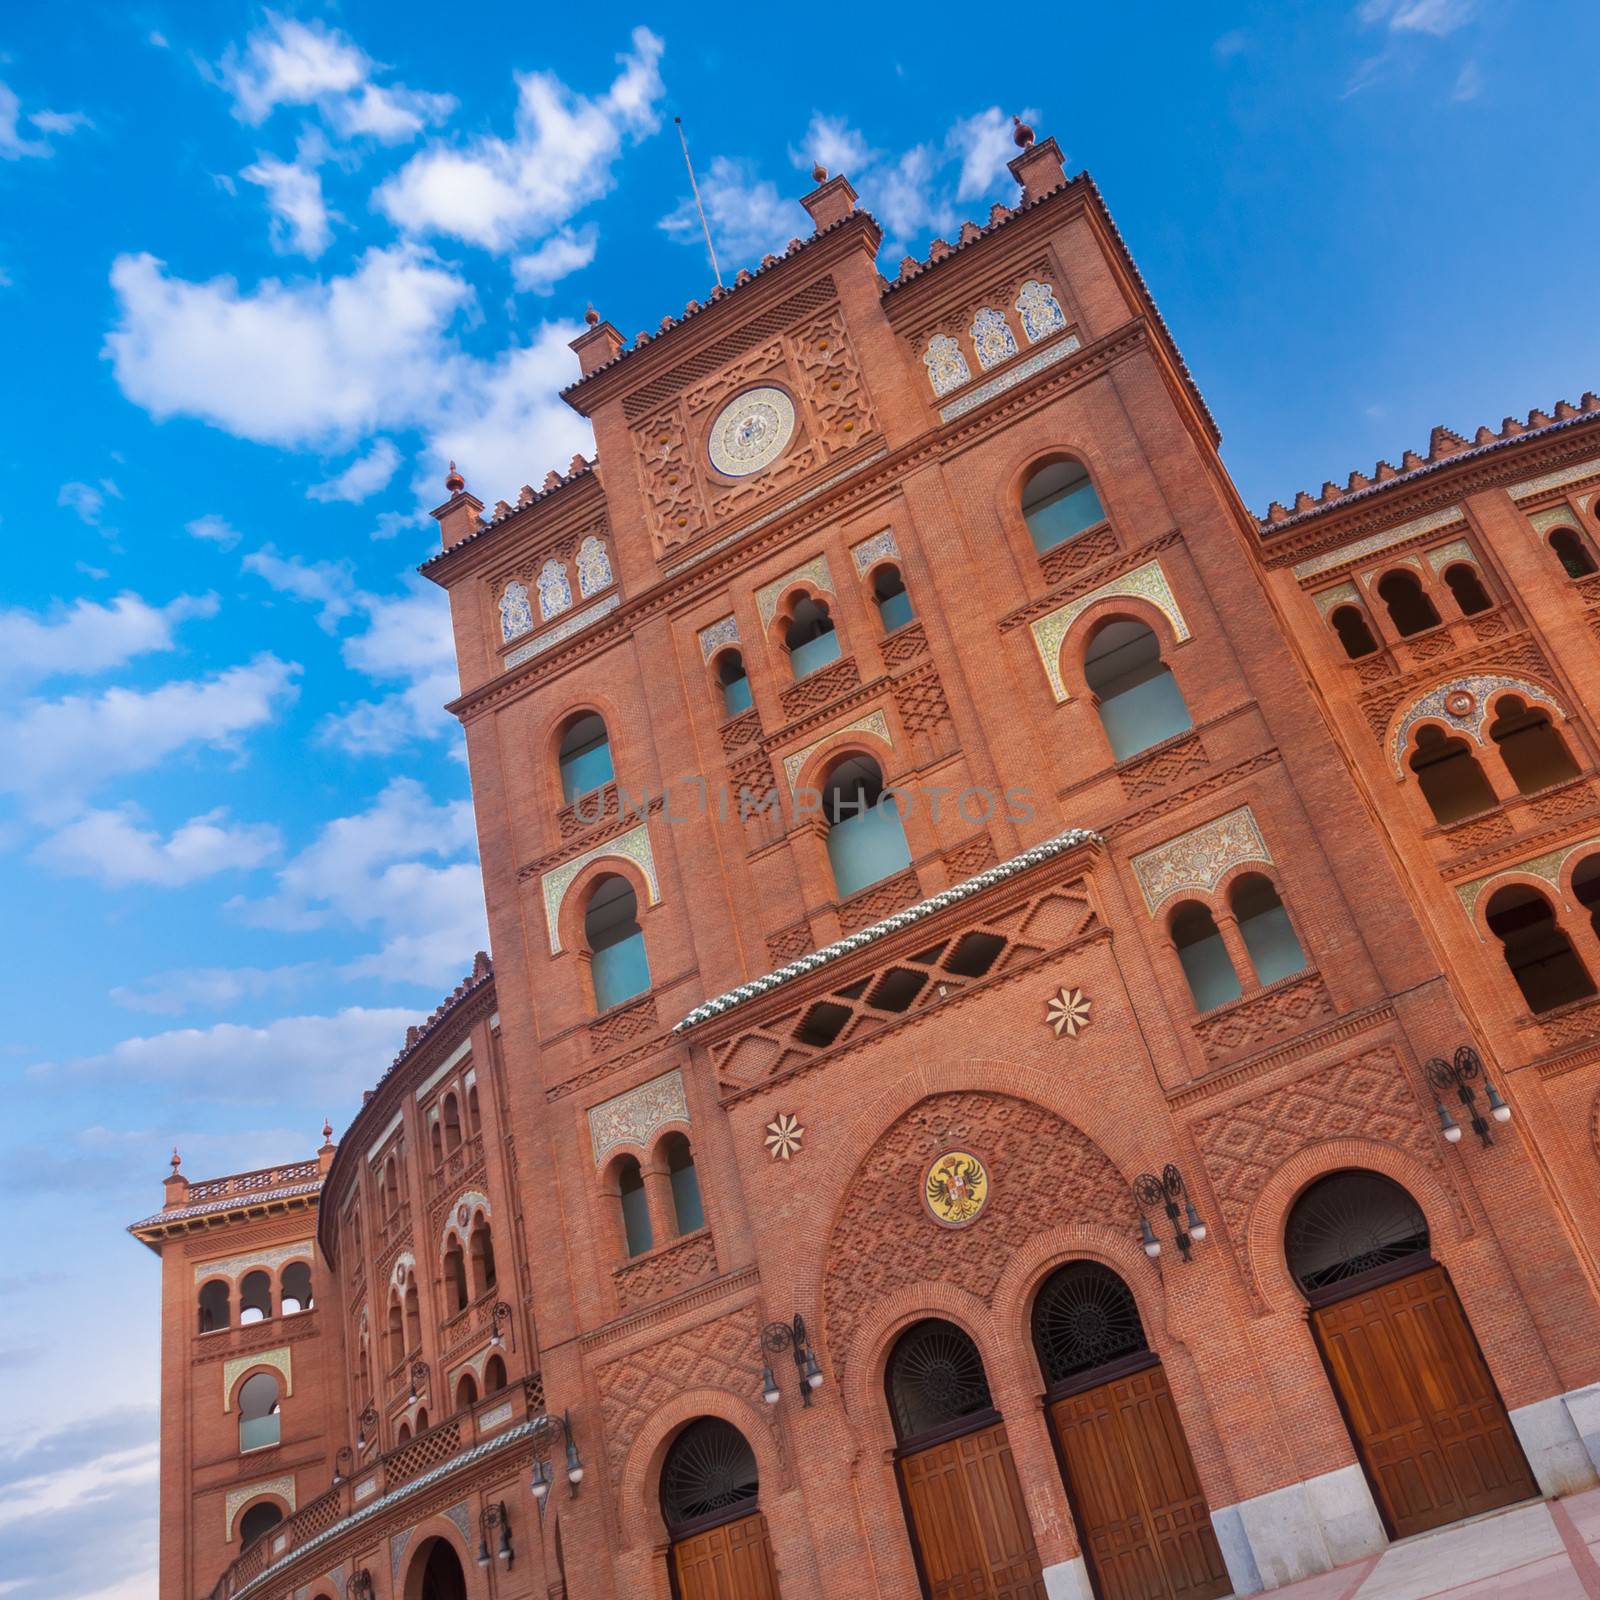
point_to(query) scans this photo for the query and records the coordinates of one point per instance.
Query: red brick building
(1043, 1038)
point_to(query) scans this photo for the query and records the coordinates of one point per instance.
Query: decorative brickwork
(623, 1025)
(1040, 1170)
(665, 1271)
(904, 644)
(742, 732)
(1172, 763)
(1289, 1006)
(881, 900)
(966, 859)
(788, 943)
(1078, 555)
(822, 688)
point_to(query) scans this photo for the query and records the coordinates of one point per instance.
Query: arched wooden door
(963, 1503)
(1141, 1513)
(1421, 1406)
(709, 1488)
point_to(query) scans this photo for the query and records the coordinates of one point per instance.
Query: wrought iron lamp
(777, 1337)
(419, 1381)
(361, 1586)
(500, 1313)
(1460, 1074)
(1168, 1192)
(343, 1460)
(553, 1428)
(491, 1520)
(367, 1419)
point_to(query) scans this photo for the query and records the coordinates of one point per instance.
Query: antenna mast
(711, 249)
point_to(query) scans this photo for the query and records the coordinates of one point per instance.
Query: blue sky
(262, 272)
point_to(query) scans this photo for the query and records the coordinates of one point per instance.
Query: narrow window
(451, 1120)
(258, 1412)
(1135, 693)
(889, 594)
(1537, 952)
(295, 1294)
(1410, 609)
(635, 1211)
(255, 1297)
(1449, 776)
(391, 1187)
(1059, 503)
(866, 841)
(1535, 754)
(413, 1317)
(1586, 889)
(494, 1375)
(1212, 980)
(1354, 634)
(474, 1123)
(1269, 936)
(734, 682)
(397, 1332)
(1572, 552)
(402, 1434)
(1470, 595)
(811, 638)
(466, 1392)
(436, 1141)
(422, 1420)
(619, 965)
(585, 757)
(455, 1277)
(214, 1306)
(686, 1204)
(483, 1274)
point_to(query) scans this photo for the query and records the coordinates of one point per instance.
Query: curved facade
(1044, 1037)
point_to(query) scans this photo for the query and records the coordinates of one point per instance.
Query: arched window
(436, 1141)
(584, 756)
(1135, 693)
(456, 1297)
(686, 1206)
(466, 1392)
(397, 1331)
(422, 1420)
(1586, 889)
(474, 1122)
(636, 1231)
(402, 1434)
(450, 1120)
(1410, 609)
(363, 1370)
(935, 1377)
(1572, 552)
(1058, 503)
(391, 1187)
(482, 1248)
(734, 683)
(1449, 776)
(1535, 754)
(295, 1292)
(255, 1298)
(1354, 634)
(1084, 1317)
(443, 1577)
(1467, 588)
(1212, 980)
(810, 637)
(214, 1305)
(1351, 1223)
(494, 1375)
(413, 1317)
(890, 597)
(866, 840)
(1269, 936)
(258, 1519)
(258, 1411)
(619, 966)
(709, 1476)
(1537, 951)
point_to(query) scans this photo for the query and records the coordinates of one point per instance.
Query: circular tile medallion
(751, 432)
(956, 1188)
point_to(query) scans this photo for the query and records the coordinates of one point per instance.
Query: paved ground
(1533, 1552)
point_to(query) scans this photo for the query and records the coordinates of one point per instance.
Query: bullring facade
(1043, 1037)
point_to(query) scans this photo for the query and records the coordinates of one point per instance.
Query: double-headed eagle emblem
(957, 1188)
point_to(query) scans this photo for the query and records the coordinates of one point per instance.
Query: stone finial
(453, 481)
(176, 1162)
(480, 964)
(1040, 168)
(829, 203)
(819, 173)
(592, 317)
(1021, 133)
(327, 1129)
(175, 1187)
(598, 344)
(325, 1155)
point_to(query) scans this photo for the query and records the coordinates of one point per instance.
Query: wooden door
(1141, 1513)
(1422, 1408)
(969, 1521)
(730, 1562)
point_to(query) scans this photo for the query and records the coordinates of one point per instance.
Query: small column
(1238, 952)
(1574, 921)
(658, 1200)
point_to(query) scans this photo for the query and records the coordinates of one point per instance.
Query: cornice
(214, 1214)
(728, 1288)
(551, 514)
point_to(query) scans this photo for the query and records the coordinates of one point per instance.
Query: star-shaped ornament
(784, 1136)
(1067, 1012)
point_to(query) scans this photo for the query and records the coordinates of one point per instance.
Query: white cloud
(294, 195)
(59, 750)
(87, 502)
(839, 147)
(389, 869)
(15, 145)
(337, 1056)
(746, 214)
(1468, 84)
(328, 585)
(1436, 17)
(113, 848)
(565, 252)
(984, 143)
(86, 1483)
(184, 989)
(289, 364)
(292, 63)
(905, 197)
(87, 637)
(214, 529)
(496, 192)
(364, 477)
